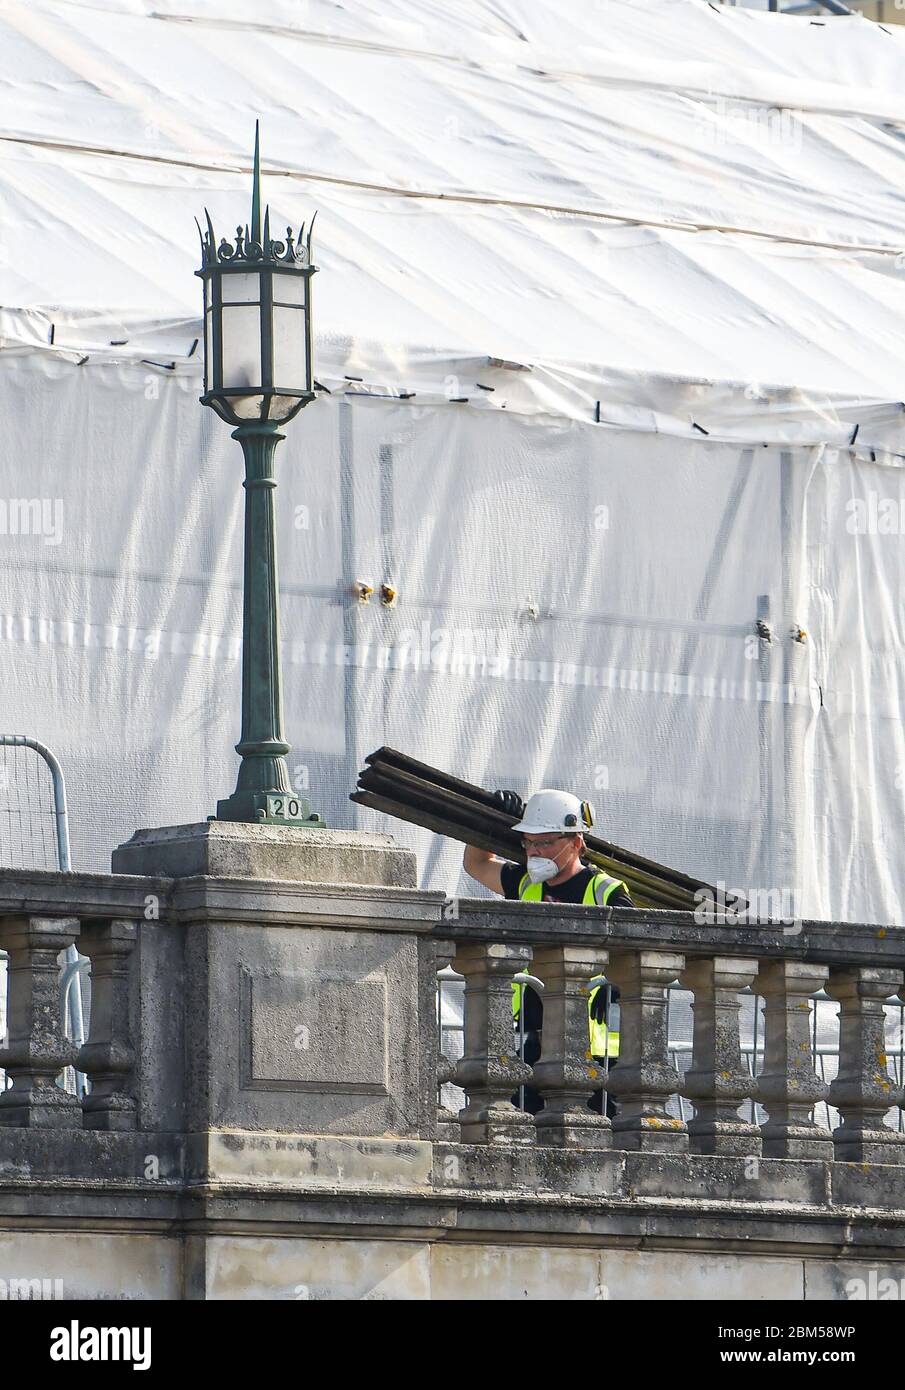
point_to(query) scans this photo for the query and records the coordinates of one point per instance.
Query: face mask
(540, 869)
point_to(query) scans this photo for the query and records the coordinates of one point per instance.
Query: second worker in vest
(552, 826)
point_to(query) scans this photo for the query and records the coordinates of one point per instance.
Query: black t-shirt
(572, 891)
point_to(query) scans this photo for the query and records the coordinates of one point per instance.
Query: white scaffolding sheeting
(611, 317)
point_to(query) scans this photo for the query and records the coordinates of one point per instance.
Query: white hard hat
(557, 811)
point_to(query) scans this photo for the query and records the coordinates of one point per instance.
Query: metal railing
(71, 995)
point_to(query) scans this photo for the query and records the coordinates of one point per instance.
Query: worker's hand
(511, 803)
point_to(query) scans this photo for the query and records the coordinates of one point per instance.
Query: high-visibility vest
(603, 1041)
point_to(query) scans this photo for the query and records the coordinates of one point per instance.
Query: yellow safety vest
(603, 1041)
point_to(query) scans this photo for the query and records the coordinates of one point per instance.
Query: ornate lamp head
(258, 363)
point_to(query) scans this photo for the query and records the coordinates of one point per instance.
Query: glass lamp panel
(208, 349)
(280, 406)
(288, 289)
(246, 407)
(240, 289)
(241, 329)
(289, 365)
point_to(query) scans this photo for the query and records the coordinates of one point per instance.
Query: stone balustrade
(642, 953)
(263, 1057)
(488, 944)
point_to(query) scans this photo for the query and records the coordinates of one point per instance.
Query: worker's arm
(485, 867)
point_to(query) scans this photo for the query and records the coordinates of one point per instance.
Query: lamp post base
(285, 853)
(268, 808)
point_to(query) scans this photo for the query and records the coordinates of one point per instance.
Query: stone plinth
(301, 1007)
(234, 849)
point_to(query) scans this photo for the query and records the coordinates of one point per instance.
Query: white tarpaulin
(611, 317)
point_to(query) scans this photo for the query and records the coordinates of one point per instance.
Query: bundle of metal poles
(403, 787)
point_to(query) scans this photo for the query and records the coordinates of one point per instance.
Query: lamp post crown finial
(256, 190)
(253, 244)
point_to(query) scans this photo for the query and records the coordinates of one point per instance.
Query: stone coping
(202, 897)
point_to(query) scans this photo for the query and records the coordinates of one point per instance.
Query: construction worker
(552, 826)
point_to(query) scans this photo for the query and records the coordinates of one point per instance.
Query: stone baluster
(789, 1087)
(108, 1057)
(491, 1070)
(718, 1080)
(863, 1089)
(447, 1122)
(644, 1079)
(566, 1072)
(37, 1048)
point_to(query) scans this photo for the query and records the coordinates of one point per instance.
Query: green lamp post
(258, 374)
